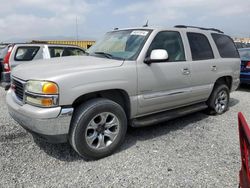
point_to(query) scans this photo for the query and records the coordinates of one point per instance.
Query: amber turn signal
(50, 88)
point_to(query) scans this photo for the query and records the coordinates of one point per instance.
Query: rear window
(245, 54)
(65, 51)
(26, 53)
(200, 46)
(225, 45)
(3, 52)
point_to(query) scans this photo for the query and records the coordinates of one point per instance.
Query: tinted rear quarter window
(26, 53)
(225, 45)
(55, 51)
(76, 51)
(65, 51)
(200, 46)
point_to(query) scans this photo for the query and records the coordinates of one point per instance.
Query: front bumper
(5, 80)
(51, 124)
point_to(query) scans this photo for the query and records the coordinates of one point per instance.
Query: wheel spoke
(101, 143)
(113, 122)
(91, 139)
(110, 135)
(93, 125)
(223, 96)
(217, 107)
(104, 117)
(223, 102)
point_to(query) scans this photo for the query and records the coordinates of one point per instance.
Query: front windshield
(245, 54)
(124, 44)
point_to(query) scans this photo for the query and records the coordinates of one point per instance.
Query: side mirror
(158, 55)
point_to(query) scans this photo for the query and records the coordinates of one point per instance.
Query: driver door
(164, 85)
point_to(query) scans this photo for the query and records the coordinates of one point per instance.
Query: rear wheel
(218, 100)
(98, 128)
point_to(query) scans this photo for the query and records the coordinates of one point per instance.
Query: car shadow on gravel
(151, 132)
(233, 102)
(64, 152)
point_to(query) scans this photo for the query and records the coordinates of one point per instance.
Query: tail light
(6, 61)
(248, 65)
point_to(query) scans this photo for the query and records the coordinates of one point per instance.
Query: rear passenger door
(203, 65)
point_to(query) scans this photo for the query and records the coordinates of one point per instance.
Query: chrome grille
(18, 88)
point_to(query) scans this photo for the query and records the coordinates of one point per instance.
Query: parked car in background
(245, 65)
(137, 77)
(242, 45)
(16, 54)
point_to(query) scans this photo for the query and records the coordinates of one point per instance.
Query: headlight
(42, 87)
(41, 93)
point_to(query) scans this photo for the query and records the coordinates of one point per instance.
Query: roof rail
(202, 28)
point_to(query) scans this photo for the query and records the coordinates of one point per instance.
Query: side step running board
(167, 115)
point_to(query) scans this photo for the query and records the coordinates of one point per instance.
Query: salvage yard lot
(192, 151)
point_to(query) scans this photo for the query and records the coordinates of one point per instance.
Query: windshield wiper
(107, 55)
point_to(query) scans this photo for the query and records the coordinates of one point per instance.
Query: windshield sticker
(138, 32)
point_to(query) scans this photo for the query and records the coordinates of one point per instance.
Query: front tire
(218, 100)
(98, 128)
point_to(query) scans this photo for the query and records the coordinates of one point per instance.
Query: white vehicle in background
(16, 54)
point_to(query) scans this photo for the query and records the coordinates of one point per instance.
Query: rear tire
(98, 128)
(218, 100)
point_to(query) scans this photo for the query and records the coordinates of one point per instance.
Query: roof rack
(202, 28)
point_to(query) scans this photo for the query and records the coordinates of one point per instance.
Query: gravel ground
(192, 151)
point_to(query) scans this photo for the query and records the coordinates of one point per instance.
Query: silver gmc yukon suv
(137, 77)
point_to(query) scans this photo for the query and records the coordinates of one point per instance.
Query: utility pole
(76, 29)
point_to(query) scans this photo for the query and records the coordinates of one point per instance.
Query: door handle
(185, 71)
(214, 68)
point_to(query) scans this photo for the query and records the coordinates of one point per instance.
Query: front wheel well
(117, 95)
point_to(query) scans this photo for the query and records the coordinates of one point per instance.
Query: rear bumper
(5, 80)
(51, 124)
(245, 78)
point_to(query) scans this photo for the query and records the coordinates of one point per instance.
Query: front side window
(225, 46)
(123, 45)
(200, 46)
(171, 42)
(26, 53)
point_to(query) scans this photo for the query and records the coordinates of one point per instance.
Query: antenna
(146, 25)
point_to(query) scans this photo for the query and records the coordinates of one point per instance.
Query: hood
(48, 68)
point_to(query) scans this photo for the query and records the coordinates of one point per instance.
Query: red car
(244, 134)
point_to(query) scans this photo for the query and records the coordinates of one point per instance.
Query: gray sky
(56, 19)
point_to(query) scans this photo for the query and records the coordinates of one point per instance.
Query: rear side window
(225, 46)
(65, 51)
(55, 51)
(26, 53)
(76, 51)
(200, 46)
